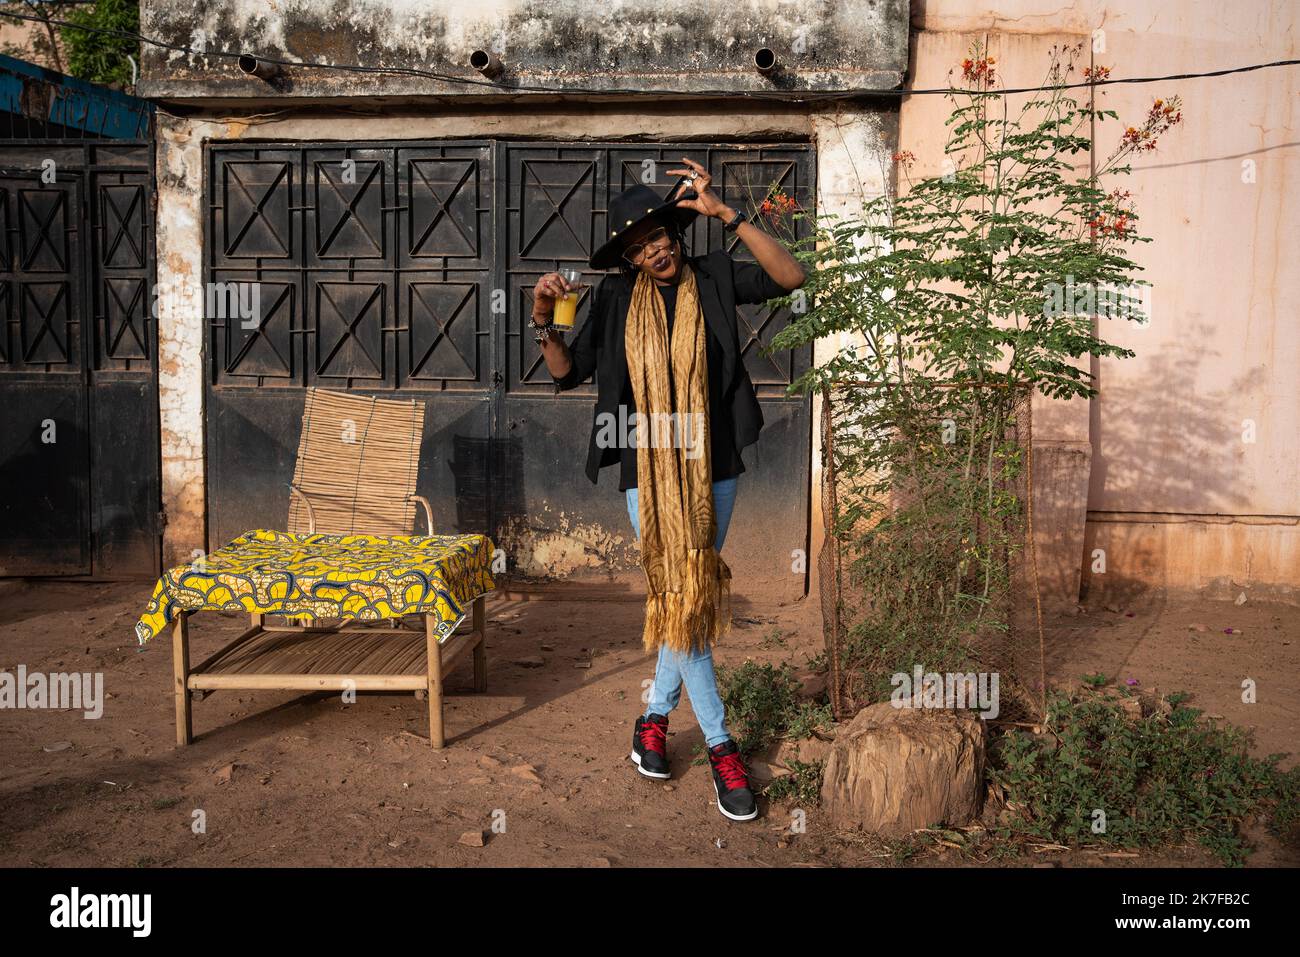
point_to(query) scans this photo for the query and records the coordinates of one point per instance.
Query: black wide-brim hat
(630, 207)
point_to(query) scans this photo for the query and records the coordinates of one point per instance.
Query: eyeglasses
(636, 253)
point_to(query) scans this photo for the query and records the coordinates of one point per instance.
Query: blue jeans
(695, 668)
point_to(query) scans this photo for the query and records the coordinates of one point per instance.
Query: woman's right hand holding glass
(548, 289)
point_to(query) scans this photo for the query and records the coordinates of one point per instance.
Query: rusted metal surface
(37, 103)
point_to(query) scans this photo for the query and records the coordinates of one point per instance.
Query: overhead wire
(801, 96)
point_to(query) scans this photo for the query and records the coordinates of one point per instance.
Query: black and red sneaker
(650, 745)
(731, 782)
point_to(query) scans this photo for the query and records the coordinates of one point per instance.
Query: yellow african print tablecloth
(355, 577)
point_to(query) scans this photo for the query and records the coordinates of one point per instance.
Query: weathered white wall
(179, 162)
(680, 45)
(854, 167)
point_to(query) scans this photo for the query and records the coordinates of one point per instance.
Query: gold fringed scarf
(688, 604)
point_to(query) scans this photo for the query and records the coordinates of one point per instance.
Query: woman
(661, 337)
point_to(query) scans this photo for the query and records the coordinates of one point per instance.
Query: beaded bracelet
(544, 331)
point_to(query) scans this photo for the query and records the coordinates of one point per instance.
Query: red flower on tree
(777, 204)
(1119, 222)
(1160, 118)
(979, 69)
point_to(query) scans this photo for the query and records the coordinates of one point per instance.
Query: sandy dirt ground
(285, 778)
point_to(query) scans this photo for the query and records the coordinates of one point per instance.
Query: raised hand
(706, 202)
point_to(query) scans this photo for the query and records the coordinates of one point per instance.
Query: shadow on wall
(473, 461)
(1160, 445)
(45, 499)
(1060, 509)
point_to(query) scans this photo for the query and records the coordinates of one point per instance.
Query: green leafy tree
(102, 57)
(952, 301)
(98, 54)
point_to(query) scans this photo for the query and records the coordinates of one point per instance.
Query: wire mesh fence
(928, 576)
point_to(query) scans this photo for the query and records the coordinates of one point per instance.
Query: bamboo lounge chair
(348, 556)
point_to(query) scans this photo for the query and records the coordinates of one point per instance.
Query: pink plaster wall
(1160, 463)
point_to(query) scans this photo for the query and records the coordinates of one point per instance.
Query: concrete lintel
(396, 47)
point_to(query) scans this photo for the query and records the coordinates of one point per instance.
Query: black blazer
(723, 283)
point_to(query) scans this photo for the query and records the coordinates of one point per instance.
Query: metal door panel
(45, 462)
(44, 479)
(79, 463)
(374, 263)
(554, 202)
(407, 269)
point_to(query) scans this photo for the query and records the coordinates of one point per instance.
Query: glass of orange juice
(566, 307)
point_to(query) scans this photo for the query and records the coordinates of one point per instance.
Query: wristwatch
(731, 224)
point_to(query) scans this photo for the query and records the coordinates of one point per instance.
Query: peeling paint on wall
(179, 161)
(552, 545)
(687, 45)
(853, 168)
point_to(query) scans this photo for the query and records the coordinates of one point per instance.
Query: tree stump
(894, 770)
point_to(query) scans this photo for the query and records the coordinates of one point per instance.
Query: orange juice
(566, 308)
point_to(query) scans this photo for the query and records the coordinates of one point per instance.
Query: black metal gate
(407, 268)
(79, 464)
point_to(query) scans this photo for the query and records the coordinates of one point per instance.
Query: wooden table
(335, 595)
(288, 658)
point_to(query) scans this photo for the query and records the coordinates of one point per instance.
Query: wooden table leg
(480, 650)
(434, 649)
(181, 674)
